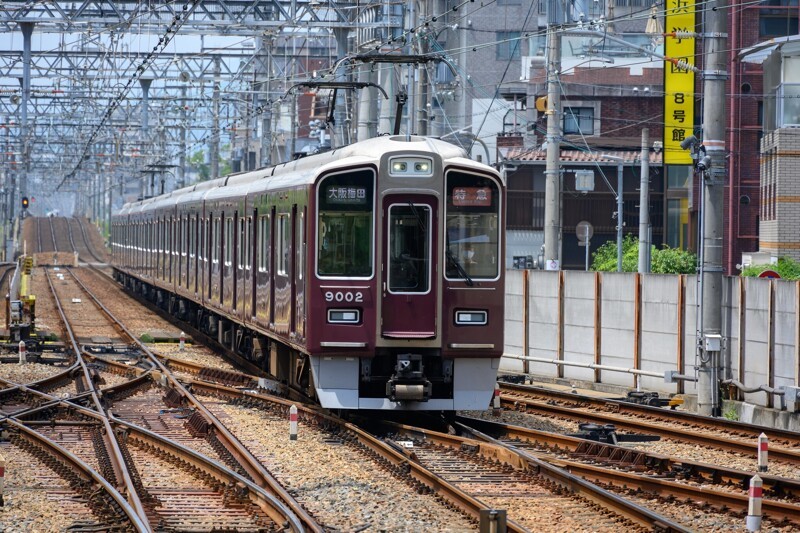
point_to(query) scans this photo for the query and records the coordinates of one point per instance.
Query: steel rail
(463, 501)
(493, 449)
(640, 410)
(53, 234)
(83, 470)
(514, 398)
(115, 454)
(630, 459)
(249, 462)
(89, 247)
(38, 234)
(669, 489)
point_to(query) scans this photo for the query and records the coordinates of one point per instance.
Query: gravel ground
(195, 354)
(29, 372)
(36, 500)
(334, 482)
(47, 318)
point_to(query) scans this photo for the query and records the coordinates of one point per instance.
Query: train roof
(303, 171)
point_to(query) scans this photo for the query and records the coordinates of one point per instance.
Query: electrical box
(712, 343)
(16, 310)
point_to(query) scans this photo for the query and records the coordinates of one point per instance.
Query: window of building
(508, 45)
(578, 121)
(777, 23)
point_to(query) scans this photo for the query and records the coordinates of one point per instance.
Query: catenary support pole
(27, 32)
(714, 78)
(644, 205)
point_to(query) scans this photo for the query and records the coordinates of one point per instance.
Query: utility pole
(714, 76)
(182, 155)
(644, 205)
(552, 193)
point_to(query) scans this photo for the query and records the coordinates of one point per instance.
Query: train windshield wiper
(459, 266)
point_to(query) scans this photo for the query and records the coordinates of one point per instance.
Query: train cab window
(409, 248)
(473, 240)
(345, 240)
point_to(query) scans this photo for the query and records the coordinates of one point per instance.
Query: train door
(409, 280)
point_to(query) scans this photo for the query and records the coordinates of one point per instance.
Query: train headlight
(471, 318)
(411, 167)
(344, 316)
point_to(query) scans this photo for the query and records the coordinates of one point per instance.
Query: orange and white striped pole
(496, 399)
(763, 451)
(753, 520)
(293, 423)
(23, 353)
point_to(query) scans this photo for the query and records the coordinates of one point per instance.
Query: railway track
(80, 242)
(722, 488)
(714, 433)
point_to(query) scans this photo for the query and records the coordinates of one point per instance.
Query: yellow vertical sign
(678, 81)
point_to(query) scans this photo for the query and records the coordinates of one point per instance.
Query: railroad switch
(607, 433)
(652, 399)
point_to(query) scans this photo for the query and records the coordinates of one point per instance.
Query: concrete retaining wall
(648, 322)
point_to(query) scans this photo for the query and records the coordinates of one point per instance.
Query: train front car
(409, 277)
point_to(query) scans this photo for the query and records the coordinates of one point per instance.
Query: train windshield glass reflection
(473, 213)
(344, 233)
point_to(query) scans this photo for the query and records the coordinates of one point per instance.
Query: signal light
(25, 202)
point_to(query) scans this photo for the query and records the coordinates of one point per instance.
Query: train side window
(215, 244)
(242, 245)
(301, 243)
(284, 235)
(264, 243)
(345, 215)
(228, 241)
(248, 251)
(192, 239)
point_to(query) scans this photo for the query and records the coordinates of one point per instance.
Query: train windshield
(473, 214)
(344, 225)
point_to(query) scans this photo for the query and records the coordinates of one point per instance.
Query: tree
(663, 261)
(787, 267)
(197, 162)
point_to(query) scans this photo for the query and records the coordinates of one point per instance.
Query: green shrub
(147, 338)
(663, 261)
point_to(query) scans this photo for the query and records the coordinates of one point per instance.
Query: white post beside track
(182, 342)
(753, 521)
(2, 478)
(23, 355)
(763, 451)
(496, 399)
(293, 423)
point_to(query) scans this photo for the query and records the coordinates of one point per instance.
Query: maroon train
(371, 275)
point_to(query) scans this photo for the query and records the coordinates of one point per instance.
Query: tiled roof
(580, 156)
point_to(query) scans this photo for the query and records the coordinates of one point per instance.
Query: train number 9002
(344, 296)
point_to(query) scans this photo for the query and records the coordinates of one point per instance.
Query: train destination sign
(472, 196)
(346, 195)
